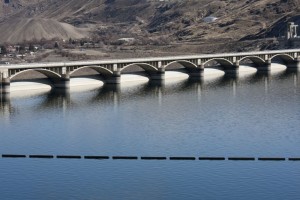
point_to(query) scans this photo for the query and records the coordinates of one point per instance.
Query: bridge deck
(142, 60)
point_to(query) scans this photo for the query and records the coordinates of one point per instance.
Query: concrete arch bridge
(111, 70)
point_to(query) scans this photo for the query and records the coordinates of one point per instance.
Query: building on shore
(291, 38)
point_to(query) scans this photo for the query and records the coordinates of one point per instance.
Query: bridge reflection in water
(63, 99)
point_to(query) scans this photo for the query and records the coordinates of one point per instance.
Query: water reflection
(57, 99)
(115, 94)
(5, 105)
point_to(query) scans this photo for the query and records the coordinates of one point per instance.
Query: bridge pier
(63, 83)
(232, 71)
(197, 73)
(115, 78)
(297, 60)
(5, 85)
(266, 67)
(159, 75)
(4, 81)
(295, 64)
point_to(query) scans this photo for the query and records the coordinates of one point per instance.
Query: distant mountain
(175, 20)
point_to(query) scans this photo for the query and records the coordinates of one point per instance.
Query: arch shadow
(49, 74)
(287, 59)
(101, 70)
(148, 69)
(186, 64)
(255, 59)
(221, 61)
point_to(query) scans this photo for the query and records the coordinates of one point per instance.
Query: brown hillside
(20, 29)
(174, 21)
(14, 6)
(179, 19)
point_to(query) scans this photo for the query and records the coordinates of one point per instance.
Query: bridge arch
(221, 61)
(284, 57)
(50, 74)
(186, 64)
(255, 59)
(146, 67)
(101, 70)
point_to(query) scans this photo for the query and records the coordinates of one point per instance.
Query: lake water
(252, 116)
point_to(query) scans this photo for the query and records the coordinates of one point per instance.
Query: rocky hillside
(173, 21)
(9, 7)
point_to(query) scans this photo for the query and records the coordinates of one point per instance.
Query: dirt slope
(20, 29)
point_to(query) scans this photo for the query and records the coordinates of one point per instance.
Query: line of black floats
(150, 158)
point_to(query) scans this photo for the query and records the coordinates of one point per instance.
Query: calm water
(256, 116)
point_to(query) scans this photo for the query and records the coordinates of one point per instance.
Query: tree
(22, 49)
(56, 46)
(31, 47)
(43, 41)
(3, 50)
(81, 42)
